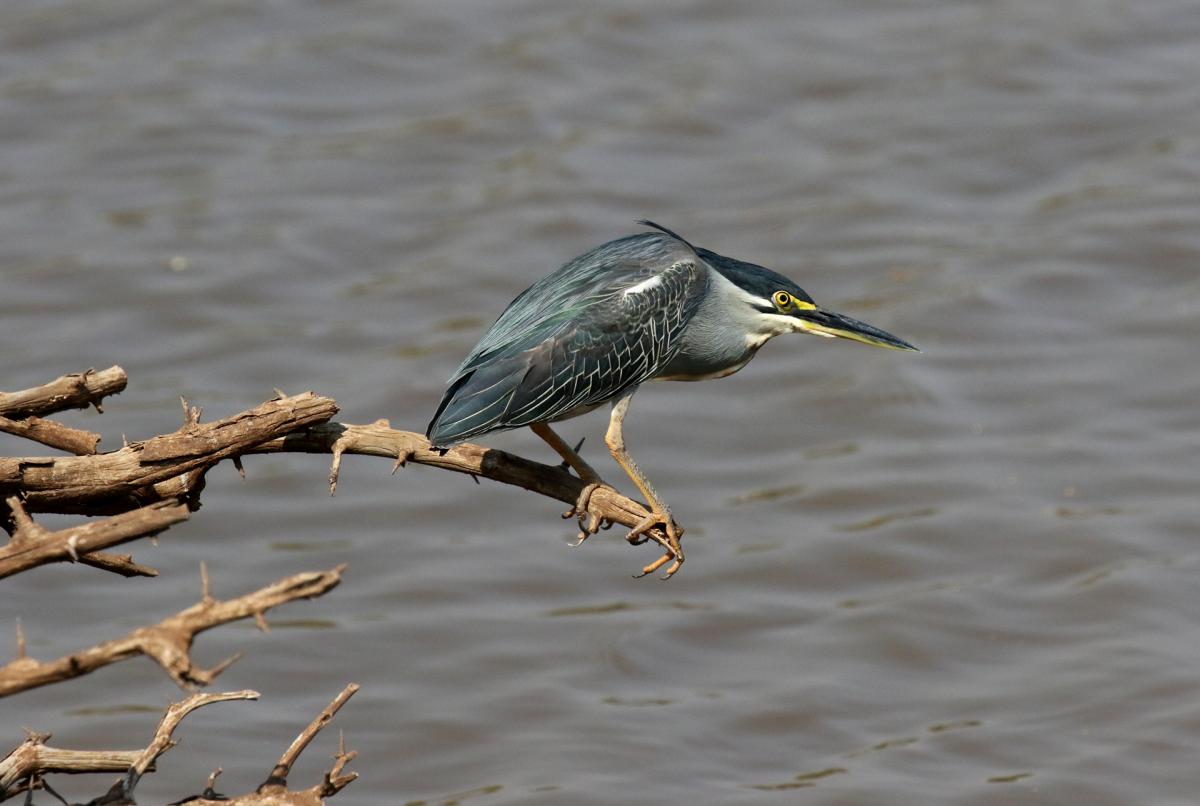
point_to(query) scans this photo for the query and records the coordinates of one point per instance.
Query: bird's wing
(614, 335)
(572, 289)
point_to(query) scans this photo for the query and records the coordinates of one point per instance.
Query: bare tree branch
(55, 435)
(32, 545)
(75, 391)
(274, 791)
(26, 765)
(162, 741)
(283, 767)
(34, 758)
(377, 439)
(164, 467)
(168, 643)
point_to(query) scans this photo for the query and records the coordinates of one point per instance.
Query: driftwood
(167, 467)
(26, 766)
(169, 642)
(378, 439)
(32, 545)
(19, 410)
(23, 769)
(172, 466)
(147, 486)
(75, 391)
(34, 758)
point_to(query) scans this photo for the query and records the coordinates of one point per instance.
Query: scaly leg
(589, 522)
(673, 553)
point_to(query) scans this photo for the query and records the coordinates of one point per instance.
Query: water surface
(968, 576)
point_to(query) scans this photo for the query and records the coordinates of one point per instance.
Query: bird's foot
(589, 520)
(672, 551)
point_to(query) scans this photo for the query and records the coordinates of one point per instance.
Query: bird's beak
(827, 323)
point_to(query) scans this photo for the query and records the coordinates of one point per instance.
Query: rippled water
(968, 576)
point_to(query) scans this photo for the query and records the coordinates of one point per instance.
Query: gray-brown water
(970, 576)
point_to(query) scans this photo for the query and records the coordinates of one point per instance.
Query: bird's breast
(689, 368)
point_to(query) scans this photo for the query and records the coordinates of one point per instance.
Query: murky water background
(969, 576)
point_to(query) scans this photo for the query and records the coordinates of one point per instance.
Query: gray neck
(714, 343)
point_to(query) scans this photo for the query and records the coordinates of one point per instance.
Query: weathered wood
(32, 545)
(75, 391)
(378, 439)
(162, 468)
(168, 643)
(52, 434)
(33, 757)
(162, 741)
(26, 765)
(276, 783)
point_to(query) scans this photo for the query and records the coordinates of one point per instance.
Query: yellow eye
(782, 299)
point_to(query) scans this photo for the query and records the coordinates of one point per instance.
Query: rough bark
(378, 439)
(75, 391)
(32, 545)
(19, 410)
(33, 757)
(151, 484)
(25, 768)
(166, 467)
(168, 643)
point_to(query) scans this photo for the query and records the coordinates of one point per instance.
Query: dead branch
(163, 742)
(173, 465)
(274, 791)
(378, 439)
(34, 758)
(166, 467)
(55, 435)
(32, 545)
(169, 642)
(19, 410)
(75, 391)
(283, 767)
(24, 768)
(334, 781)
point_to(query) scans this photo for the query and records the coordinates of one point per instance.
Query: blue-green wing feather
(576, 338)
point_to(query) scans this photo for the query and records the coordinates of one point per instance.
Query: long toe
(589, 519)
(672, 551)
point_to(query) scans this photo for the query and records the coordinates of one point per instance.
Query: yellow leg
(589, 522)
(564, 450)
(615, 440)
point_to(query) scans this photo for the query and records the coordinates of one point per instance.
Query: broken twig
(168, 643)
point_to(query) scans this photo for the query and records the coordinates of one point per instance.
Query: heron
(648, 306)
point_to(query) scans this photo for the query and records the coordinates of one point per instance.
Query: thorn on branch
(163, 742)
(402, 457)
(277, 780)
(169, 642)
(335, 466)
(210, 786)
(198, 678)
(191, 415)
(26, 529)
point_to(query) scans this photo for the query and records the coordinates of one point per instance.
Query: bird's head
(773, 305)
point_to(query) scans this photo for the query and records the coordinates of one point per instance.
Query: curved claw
(659, 563)
(672, 551)
(589, 521)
